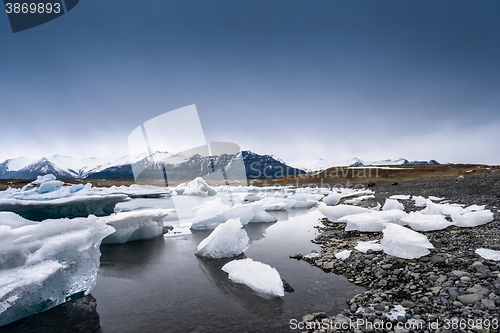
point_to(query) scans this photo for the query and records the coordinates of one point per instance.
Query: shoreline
(451, 288)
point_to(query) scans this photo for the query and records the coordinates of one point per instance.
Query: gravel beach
(450, 290)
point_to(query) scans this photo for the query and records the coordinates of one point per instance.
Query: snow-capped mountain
(257, 166)
(356, 162)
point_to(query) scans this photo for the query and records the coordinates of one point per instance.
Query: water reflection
(253, 303)
(256, 231)
(78, 316)
(130, 259)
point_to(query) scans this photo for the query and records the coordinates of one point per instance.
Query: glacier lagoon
(159, 285)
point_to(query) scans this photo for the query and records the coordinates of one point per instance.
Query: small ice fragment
(391, 204)
(262, 278)
(399, 197)
(373, 245)
(343, 255)
(488, 254)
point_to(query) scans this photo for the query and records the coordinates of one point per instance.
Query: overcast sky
(301, 80)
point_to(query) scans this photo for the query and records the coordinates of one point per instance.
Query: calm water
(161, 286)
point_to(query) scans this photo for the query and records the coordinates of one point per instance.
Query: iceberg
(49, 186)
(68, 207)
(422, 222)
(198, 187)
(332, 199)
(334, 213)
(44, 264)
(262, 278)
(488, 254)
(227, 240)
(401, 242)
(391, 204)
(260, 215)
(135, 225)
(212, 213)
(373, 245)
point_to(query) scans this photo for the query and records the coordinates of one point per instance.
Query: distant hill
(356, 162)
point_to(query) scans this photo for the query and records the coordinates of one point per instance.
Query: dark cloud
(258, 70)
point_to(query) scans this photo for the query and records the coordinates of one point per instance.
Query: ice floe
(226, 240)
(401, 242)
(198, 187)
(44, 264)
(135, 225)
(262, 278)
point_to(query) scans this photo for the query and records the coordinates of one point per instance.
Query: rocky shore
(450, 290)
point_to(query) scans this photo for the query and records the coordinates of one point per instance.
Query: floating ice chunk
(365, 222)
(433, 198)
(488, 254)
(49, 186)
(399, 197)
(343, 255)
(45, 178)
(401, 242)
(135, 225)
(336, 212)
(198, 187)
(213, 213)
(244, 213)
(227, 240)
(392, 204)
(373, 245)
(262, 278)
(273, 204)
(332, 199)
(47, 263)
(251, 197)
(472, 219)
(260, 215)
(210, 214)
(422, 222)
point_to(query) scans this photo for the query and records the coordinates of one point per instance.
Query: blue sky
(298, 79)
